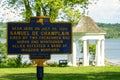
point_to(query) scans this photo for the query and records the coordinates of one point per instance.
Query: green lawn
(63, 73)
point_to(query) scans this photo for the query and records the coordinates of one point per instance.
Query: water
(112, 51)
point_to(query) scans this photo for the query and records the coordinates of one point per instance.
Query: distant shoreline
(114, 63)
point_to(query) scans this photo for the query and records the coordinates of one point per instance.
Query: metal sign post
(40, 68)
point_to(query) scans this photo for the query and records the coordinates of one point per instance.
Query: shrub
(52, 64)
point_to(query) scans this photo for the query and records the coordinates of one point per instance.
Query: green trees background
(112, 30)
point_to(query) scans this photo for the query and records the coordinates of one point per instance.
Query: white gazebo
(87, 30)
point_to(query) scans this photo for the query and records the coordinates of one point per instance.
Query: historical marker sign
(39, 37)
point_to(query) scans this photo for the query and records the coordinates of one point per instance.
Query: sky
(7, 15)
(104, 11)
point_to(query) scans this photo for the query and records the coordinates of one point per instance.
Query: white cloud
(107, 11)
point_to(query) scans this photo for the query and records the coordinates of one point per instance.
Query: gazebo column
(69, 60)
(98, 53)
(88, 54)
(102, 52)
(74, 53)
(85, 53)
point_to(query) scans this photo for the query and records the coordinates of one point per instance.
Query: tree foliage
(70, 8)
(112, 30)
(18, 61)
(92, 49)
(2, 32)
(3, 54)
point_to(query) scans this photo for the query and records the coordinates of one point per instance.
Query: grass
(63, 73)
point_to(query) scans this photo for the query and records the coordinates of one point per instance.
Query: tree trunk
(44, 11)
(28, 12)
(38, 10)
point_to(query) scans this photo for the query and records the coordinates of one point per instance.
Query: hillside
(112, 30)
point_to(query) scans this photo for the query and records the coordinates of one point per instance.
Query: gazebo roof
(87, 25)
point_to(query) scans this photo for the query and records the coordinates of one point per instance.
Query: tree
(18, 61)
(70, 8)
(3, 54)
(0, 33)
(92, 49)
